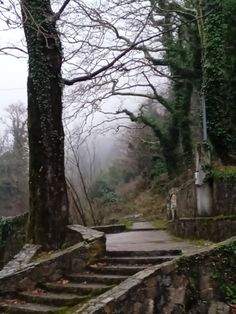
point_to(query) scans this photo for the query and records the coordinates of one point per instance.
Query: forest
(154, 78)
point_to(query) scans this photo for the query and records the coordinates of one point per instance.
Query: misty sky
(13, 77)
(13, 71)
(12, 80)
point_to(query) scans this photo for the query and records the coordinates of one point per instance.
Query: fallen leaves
(63, 281)
(15, 302)
(37, 291)
(99, 265)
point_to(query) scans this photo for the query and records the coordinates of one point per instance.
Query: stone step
(142, 226)
(54, 299)
(118, 269)
(97, 278)
(144, 229)
(136, 260)
(73, 287)
(30, 308)
(155, 253)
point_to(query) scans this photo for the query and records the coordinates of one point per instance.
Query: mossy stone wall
(12, 237)
(214, 229)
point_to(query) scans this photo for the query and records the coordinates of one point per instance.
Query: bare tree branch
(61, 10)
(5, 51)
(143, 119)
(109, 65)
(158, 97)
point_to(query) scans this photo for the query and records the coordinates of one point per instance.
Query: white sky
(13, 78)
(13, 71)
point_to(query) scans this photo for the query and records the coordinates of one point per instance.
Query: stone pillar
(203, 185)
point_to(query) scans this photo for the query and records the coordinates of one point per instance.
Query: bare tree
(104, 47)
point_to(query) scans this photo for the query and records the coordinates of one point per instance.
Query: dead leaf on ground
(37, 291)
(15, 301)
(63, 281)
(99, 265)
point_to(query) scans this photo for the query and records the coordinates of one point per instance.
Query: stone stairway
(73, 290)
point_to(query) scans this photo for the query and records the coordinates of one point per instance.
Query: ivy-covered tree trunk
(48, 215)
(215, 81)
(168, 142)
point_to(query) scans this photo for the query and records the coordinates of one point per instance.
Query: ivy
(224, 173)
(225, 271)
(215, 79)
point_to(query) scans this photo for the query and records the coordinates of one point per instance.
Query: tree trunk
(221, 128)
(48, 215)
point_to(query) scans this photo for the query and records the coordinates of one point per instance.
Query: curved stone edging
(54, 265)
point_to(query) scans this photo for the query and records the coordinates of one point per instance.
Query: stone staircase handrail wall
(52, 266)
(166, 288)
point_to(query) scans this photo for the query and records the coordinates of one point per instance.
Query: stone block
(177, 295)
(207, 294)
(168, 268)
(26, 284)
(205, 281)
(219, 308)
(78, 264)
(137, 308)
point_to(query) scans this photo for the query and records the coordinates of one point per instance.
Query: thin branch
(109, 65)
(77, 202)
(59, 13)
(130, 114)
(4, 51)
(135, 95)
(141, 118)
(158, 97)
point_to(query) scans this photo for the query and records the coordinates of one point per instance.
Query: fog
(103, 129)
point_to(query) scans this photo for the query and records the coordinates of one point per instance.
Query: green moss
(42, 256)
(224, 173)
(197, 242)
(176, 239)
(129, 224)
(69, 309)
(201, 242)
(160, 224)
(224, 271)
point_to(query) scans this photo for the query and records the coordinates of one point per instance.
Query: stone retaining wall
(223, 198)
(190, 284)
(186, 200)
(12, 237)
(214, 229)
(50, 267)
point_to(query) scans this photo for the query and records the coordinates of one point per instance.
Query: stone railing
(197, 283)
(12, 237)
(24, 273)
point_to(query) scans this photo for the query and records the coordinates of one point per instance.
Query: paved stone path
(146, 240)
